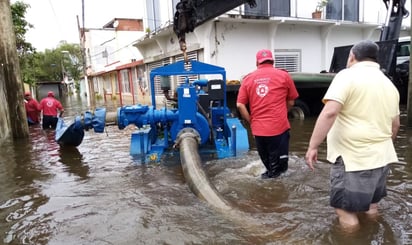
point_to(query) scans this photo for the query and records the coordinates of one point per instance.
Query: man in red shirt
(32, 109)
(52, 108)
(269, 93)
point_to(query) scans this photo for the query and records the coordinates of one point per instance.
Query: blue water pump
(201, 112)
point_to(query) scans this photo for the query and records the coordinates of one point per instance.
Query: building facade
(300, 43)
(114, 66)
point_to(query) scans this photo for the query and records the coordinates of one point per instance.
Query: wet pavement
(98, 194)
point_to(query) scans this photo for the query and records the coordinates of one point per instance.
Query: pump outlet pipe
(188, 143)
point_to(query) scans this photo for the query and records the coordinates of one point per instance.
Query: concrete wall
(234, 45)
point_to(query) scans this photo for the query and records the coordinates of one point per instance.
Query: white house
(299, 42)
(113, 64)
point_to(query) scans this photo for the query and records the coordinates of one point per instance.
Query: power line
(57, 20)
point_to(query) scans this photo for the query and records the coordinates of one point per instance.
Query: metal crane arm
(192, 13)
(396, 12)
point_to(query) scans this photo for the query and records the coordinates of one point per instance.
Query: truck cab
(403, 51)
(401, 77)
(313, 86)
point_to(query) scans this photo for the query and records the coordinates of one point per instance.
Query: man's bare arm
(244, 113)
(395, 127)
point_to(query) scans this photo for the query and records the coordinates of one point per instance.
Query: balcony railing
(341, 10)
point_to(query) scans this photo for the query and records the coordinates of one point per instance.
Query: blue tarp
(71, 135)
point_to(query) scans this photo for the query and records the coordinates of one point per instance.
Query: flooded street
(98, 194)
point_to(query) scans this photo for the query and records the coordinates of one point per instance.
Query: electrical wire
(57, 21)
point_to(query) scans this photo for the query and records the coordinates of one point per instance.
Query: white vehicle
(403, 50)
(401, 76)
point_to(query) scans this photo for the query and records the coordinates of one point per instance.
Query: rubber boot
(283, 162)
(265, 175)
(275, 170)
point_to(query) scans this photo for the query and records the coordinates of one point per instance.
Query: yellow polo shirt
(362, 132)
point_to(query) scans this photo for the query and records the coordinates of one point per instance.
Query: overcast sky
(55, 20)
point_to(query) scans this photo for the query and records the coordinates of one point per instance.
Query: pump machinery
(201, 112)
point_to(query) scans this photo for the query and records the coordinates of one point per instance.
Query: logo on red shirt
(262, 90)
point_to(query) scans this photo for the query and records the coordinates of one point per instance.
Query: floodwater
(98, 194)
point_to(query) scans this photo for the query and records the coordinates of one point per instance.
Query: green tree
(25, 50)
(66, 59)
(71, 57)
(50, 65)
(21, 26)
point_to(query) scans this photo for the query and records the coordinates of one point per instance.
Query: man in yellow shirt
(360, 119)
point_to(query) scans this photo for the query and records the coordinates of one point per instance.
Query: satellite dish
(115, 23)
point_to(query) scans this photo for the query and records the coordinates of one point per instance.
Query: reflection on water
(72, 159)
(98, 194)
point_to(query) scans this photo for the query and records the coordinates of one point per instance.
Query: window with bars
(289, 60)
(142, 82)
(268, 8)
(153, 14)
(343, 10)
(116, 84)
(107, 85)
(96, 84)
(124, 81)
(177, 80)
(153, 66)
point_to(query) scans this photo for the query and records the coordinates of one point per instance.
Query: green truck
(394, 62)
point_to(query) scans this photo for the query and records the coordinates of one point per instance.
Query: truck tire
(299, 111)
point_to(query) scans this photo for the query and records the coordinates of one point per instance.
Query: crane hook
(183, 48)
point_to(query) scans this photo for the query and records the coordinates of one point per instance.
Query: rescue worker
(51, 109)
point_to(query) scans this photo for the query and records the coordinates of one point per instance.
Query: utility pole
(409, 98)
(82, 36)
(13, 120)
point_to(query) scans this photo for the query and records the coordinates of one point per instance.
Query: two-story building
(114, 67)
(300, 43)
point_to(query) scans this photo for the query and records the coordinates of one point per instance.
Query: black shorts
(49, 122)
(355, 191)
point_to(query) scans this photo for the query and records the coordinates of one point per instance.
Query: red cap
(263, 55)
(50, 94)
(27, 94)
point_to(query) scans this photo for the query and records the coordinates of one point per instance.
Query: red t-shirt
(32, 110)
(50, 106)
(266, 91)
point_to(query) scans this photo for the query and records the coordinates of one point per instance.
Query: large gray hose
(199, 183)
(196, 178)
